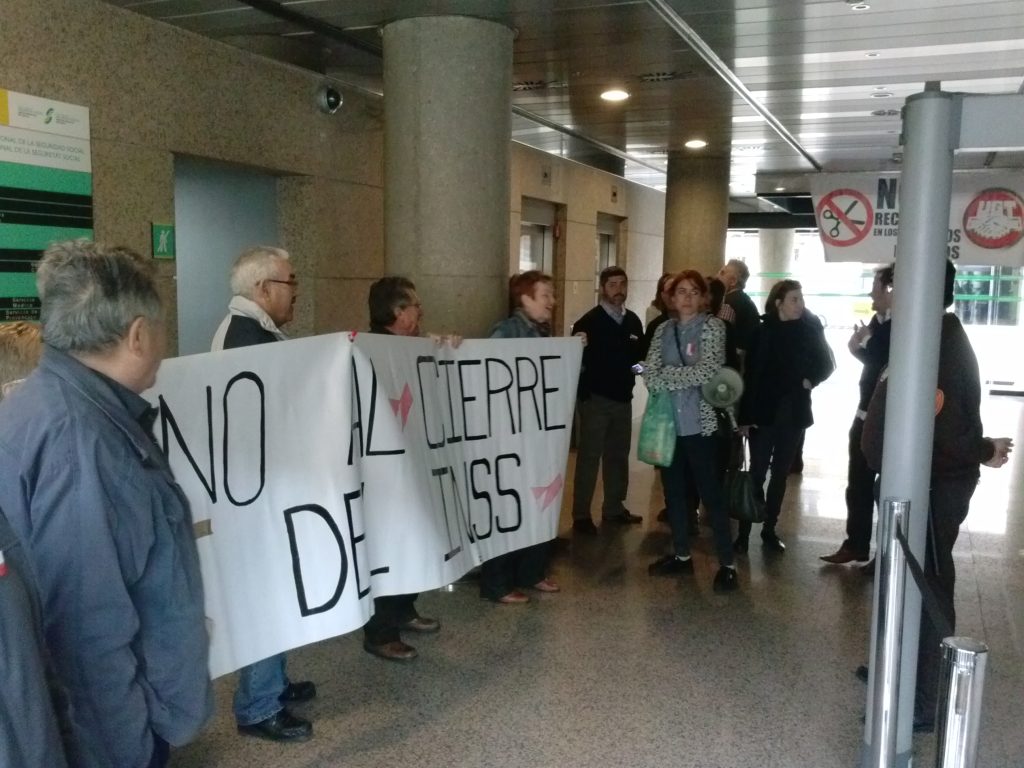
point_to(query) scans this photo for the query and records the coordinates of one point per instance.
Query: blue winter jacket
(109, 536)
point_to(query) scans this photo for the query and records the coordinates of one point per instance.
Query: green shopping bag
(657, 443)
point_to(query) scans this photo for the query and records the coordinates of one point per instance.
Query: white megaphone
(724, 389)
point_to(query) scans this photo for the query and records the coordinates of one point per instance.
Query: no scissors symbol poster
(858, 217)
(844, 217)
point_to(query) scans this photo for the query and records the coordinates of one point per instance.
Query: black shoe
(296, 693)
(861, 673)
(626, 518)
(741, 545)
(924, 726)
(771, 541)
(281, 726)
(670, 565)
(586, 527)
(725, 580)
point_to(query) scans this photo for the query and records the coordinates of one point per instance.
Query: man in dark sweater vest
(395, 309)
(264, 287)
(869, 344)
(614, 345)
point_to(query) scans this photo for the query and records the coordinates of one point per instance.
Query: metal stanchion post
(962, 685)
(892, 571)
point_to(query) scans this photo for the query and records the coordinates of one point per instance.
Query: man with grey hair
(264, 287)
(735, 275)
(107, 531)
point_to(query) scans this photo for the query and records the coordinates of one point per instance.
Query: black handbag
(742, 499)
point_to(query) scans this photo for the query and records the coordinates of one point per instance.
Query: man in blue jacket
(107, 531)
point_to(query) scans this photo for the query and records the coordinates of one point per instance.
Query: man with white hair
(735, 275)
(264, 287)
(107, 531)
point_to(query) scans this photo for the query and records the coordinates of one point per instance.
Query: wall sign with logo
(858, 217)
(45, 191)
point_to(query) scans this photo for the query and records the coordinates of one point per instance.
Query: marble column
(696, 212)
(447, 107)
(775, 252)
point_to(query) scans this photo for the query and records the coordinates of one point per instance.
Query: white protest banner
(858, 217)
(327, 471)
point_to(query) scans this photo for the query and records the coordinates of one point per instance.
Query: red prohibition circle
(833, 217)
(994, 219)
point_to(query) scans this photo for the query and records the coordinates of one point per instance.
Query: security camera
(329, 99)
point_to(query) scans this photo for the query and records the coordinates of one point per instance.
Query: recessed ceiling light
(695, 144)
(872, 54)
(780, 189)
(860, 7)
(615, 94)
(881, 95)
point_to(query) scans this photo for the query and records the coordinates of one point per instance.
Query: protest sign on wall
(327, 471)
(858, 217)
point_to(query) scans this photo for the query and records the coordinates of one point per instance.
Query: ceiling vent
(539, 85)
(659, 77)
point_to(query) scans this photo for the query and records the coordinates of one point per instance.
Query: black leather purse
(744, 502)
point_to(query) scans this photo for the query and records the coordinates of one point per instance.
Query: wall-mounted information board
(45, 191)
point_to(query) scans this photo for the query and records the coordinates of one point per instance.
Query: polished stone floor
(622, 669)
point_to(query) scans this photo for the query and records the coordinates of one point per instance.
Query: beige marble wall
(585, 192)
(155, 91)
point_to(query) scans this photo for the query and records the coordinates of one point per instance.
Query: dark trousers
(772, 447)
(605, 432)
(950, 500)
(389, 614)
(695, 468)
(521, 568)
(860, 495)
(161, 753)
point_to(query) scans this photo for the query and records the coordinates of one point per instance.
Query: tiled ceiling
(833, 73)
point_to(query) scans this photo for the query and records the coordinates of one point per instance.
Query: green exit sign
(163, 241)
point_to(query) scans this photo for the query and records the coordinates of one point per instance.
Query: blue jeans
(260, 686)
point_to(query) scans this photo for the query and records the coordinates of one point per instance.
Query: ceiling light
(695, 144)
(872, 54)
(860, 7)
(881, 95)
(615, 94)
(780, 189)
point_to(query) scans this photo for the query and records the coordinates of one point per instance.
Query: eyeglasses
(292, 283)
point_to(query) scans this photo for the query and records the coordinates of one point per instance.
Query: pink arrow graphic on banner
(402, 405)
(546, 494)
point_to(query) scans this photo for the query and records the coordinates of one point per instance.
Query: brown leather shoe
(515, 597)
(396, 650)
(845, 555)
(547, 585)
(422, 624)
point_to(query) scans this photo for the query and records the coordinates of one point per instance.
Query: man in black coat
(264, 287)
(869, 344)
(615, 344)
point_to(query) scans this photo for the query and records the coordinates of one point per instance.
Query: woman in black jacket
(789, 358)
